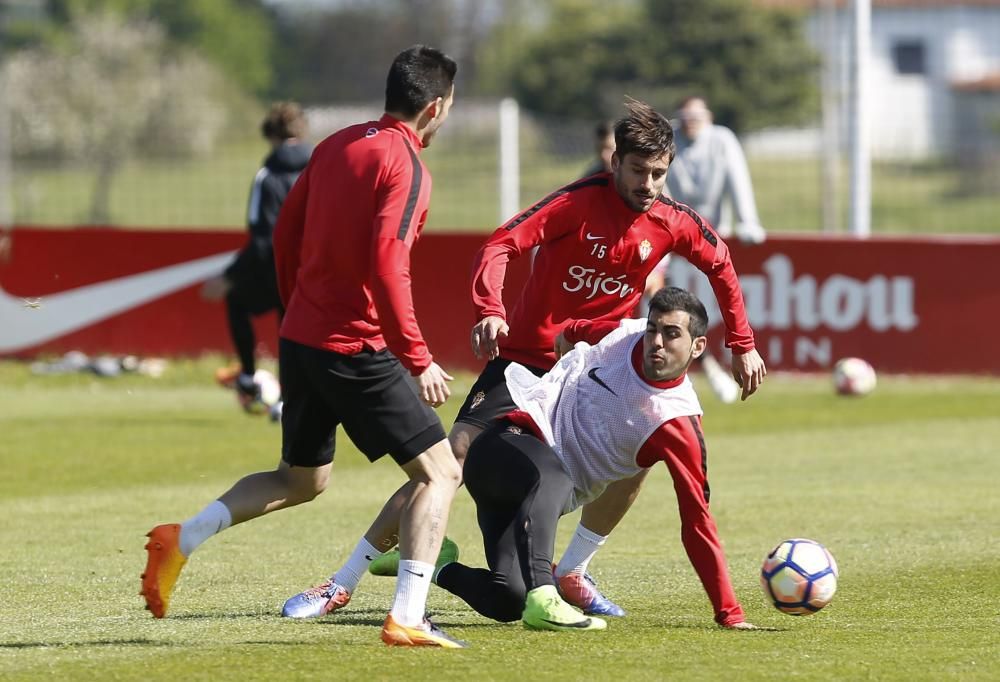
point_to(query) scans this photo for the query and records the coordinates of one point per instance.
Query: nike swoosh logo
(594, 236)
(585, 623)
(593, 375)
(67, 311)
(419, 575)
(368, 558)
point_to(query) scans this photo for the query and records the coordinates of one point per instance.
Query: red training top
(342, 243)
(592, 262)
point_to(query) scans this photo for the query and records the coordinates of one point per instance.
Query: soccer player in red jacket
(349, 346)
(598, 239)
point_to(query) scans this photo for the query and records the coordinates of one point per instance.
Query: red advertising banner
(920, 305)
(105, 290)
(925, 305)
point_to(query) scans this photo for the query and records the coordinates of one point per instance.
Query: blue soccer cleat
(581, 591)
(317, 601)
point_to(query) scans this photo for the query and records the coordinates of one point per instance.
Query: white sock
(581, 550)
(412, 585)
(213, 519)
(350, 574)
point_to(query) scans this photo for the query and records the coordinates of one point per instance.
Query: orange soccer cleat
(163, 566)
(425, 634)
(226, 376)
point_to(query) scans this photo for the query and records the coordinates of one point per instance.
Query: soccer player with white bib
(597, 241)
(605, 412)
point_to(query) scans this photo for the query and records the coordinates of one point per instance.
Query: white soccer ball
(270, 389)
(853, 376)
(799, 577)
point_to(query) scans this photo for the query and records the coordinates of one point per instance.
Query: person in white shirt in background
(710, 175)
(710, 169)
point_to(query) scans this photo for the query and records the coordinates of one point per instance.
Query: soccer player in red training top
(604, 412)
(349, 342)
(597, 240)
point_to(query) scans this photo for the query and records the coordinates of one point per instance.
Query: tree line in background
(92, 80)
(563, 57)
(567, 58)
(752, 64)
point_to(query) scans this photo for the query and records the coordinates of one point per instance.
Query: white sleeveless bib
(596, 411)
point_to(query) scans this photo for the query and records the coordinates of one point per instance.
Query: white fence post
(861, 179)
(831, 103)
(510, 162)
(6, 151)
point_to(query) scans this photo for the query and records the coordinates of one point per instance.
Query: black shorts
(489, 398)
(369, 393)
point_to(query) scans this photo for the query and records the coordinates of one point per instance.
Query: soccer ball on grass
(853, 376)
(799, 577)
(270, 389)
(268, 398)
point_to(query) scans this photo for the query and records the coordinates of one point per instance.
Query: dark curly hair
(644, 131)
(284, 120)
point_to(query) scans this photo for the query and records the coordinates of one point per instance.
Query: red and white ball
(853, 376)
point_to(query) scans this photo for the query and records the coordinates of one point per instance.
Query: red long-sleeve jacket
(592, 262)
(343, 239)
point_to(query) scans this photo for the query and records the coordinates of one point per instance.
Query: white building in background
(924, 55)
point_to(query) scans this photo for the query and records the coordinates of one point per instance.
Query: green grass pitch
(901, 486)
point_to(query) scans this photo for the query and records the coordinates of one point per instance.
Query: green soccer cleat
(388, 563)
(544, 609)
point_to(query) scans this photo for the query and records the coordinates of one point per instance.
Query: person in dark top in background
(249, 285)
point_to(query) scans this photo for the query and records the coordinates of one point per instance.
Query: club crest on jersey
(645, 248)
(477, 400)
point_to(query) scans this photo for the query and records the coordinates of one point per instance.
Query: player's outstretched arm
(486, 335)
(749, 372)
(433, 386)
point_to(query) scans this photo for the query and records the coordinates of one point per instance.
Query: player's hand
(561, 346)
(216, 288)
(433, 387)
(749, 372)
(751, 233)
(486, 336)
